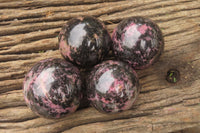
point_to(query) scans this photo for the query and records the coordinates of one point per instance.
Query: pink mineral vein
(143, 28)
(65, 49)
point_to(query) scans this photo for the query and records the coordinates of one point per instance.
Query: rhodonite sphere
(52, 88)
(112, 86)
(138, 41)
(84, 41)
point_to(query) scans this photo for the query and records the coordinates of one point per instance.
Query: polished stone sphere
(52, 88)
(137, 41)
(112, 86)
(84, 41)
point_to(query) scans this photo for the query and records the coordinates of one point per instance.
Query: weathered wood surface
(28, 33)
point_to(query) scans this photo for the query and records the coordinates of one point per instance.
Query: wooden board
(28, 33)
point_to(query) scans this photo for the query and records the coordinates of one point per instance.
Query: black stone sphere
(112, 86)
(84, 41)
(138, 41)
(52, 88)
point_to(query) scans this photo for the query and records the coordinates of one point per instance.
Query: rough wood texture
(28, 33)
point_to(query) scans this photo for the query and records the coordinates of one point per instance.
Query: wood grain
(29, 32)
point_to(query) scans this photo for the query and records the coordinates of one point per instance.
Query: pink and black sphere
(52, 88)
(112, 87)
(84, 41)
(137, 41)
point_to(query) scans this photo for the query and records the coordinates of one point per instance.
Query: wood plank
(29, 32)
